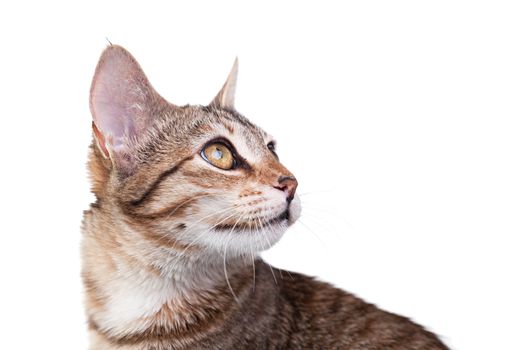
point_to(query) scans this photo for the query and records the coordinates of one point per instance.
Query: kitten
(186, 197)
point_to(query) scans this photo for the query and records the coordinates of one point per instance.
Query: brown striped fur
(170, 246)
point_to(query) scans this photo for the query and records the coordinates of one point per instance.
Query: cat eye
(220, 155)
(271, 147)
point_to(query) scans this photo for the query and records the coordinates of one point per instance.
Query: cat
(186, 198)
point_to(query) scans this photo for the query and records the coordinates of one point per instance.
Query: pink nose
(288, 185)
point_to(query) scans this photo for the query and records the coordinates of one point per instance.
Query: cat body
(186, 198)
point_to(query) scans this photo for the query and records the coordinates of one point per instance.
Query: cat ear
(226, 97)
(121, 103)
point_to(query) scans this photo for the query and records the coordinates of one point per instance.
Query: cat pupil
(217, 154)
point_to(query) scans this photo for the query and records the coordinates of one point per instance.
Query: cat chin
(242, 242)
(245, 241)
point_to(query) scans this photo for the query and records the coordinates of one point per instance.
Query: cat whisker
(253, 264)
(328, 210)
(224, 259)
(316, 206)
(170, 228)
(202, 218)
(309, 193)
(320, 208)
(323, 222)
(199, 235)
(260, 230)
(225, 211)
(189, 200)
(311, 231)
(169, 233)
(289, 274)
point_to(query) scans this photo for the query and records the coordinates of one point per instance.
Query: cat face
(189, 179)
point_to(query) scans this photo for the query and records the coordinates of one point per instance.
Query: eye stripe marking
(158, 181)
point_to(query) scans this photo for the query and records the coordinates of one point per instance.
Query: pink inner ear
(120, 96)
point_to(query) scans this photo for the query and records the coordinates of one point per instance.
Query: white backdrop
(404, 122)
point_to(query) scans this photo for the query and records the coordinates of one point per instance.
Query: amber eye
(220, 155)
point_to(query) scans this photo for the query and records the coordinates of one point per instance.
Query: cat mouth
(285, 215)
(256, 224)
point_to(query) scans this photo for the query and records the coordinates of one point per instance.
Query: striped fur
(170, 247)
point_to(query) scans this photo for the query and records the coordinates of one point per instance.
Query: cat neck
(130, 289)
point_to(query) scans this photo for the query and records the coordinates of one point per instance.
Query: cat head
(188, 178)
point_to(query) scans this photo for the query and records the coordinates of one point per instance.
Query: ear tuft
(101, 141)
(226, 97)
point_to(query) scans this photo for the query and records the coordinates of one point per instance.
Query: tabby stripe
(159, 180)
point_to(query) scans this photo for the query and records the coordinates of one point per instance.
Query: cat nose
(287, 184)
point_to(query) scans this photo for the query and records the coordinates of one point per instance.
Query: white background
(404, 122)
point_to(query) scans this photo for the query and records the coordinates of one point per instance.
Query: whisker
(197, 237)
(319, 221)
(202, 218)
(200, 234)
(333, 225)
(171, 226)
(224, 260)
(325, 209)
(193, 224)
(314, 192)
(253, 264)
(259, 231)
(310, 230)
